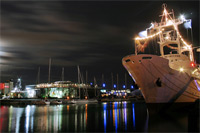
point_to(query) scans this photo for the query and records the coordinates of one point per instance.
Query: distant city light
(124, 86)
(114, 85)
(104, 91)
(28, 88)
(104, 85)
(31, 93)
(132, 87)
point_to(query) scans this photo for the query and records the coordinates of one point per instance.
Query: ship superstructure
(172, 74)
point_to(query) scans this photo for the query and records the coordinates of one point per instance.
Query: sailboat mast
(102, 80)
(38, 76)
(86, 80)
(49, 70)
(63, 74)
(79, 82)
(95, 86)
(117, 81)
(112, 80)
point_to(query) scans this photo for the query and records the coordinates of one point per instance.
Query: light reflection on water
(102, 117)
(53, 118)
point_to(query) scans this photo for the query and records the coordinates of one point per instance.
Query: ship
(170, 74)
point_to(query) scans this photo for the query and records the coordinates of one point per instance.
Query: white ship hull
(158, 82)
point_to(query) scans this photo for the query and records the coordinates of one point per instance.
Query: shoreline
(53, 101)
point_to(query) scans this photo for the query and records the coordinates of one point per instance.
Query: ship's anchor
(158, 82)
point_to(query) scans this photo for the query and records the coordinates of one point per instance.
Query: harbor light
(31, 93)
(67, 97)
(28, 88)
(124, 86)
(103, 91)
(132, 87)
(114, 85)
(103, 85)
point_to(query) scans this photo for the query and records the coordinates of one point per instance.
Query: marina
(74, 66)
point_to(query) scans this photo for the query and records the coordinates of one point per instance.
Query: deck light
(181, 69)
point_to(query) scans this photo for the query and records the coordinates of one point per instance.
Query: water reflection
(18, 115)
(29, 122)
(85, 114)
(133, 109)
(125, 115)
(104, 117)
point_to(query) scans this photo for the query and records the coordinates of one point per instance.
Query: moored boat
(83, 101)
(171, 75)
(47, 102)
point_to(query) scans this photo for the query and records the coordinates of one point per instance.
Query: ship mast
(166, 37)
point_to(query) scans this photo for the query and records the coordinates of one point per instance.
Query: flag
(188, 24)
(143, 33)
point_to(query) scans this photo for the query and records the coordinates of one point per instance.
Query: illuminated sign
(2, 86)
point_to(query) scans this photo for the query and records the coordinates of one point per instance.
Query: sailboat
(171, 76)
(86, 100)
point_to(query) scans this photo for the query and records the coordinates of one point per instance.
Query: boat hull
(158, 82)
(83, 101)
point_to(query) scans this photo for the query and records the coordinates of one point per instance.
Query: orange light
(86, 97)
(67, 97)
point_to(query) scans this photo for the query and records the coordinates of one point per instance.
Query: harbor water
(98, 117)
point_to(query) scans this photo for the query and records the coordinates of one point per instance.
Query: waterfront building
(6, 87)
(64, 89)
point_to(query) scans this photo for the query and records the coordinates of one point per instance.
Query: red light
(2, 86)
(192, 64)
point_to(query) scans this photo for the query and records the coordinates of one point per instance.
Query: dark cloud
(94, 35)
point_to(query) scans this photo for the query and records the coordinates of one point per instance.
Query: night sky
(95, 35)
